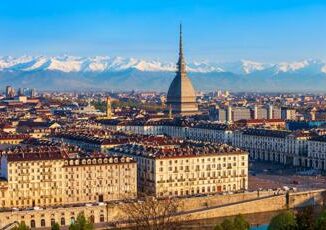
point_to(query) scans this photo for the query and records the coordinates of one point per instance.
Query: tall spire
(181, 61)
(180, 43)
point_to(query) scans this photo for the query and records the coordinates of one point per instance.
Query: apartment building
(47, 176)
(297, 148)
(187, 168)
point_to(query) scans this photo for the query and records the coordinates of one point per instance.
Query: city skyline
(162, 115)
(214, 31)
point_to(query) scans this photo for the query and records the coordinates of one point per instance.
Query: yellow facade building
(48, 177)
(188, 168)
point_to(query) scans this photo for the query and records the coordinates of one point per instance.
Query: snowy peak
(244, 66)
(308, 66)
(106, 64)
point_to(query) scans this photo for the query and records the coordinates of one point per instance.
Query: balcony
(24, 167)
(46, 166)
(47, 196)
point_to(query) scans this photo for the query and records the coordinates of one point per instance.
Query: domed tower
(181, 96)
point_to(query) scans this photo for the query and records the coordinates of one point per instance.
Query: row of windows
(207, 167)
(203, 160)
(18, 201)
(207, 189)
(63, 221)
(10, 142)
(57, 185)
(206, 175)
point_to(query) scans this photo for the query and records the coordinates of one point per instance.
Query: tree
(21, 226)
(228, 224)
(218, 227)
(81, 223)
(240, 223)
(153, 214)
(237, 223)
(305, 219)
(56, 226)
(321, 221)
(283, 221)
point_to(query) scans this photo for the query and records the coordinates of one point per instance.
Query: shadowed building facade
(181, 98)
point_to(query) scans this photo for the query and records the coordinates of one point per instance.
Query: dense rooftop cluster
(10, 136)
(178, 149)
(35, 153)
(267, 133)
(111, 137)
(168, 122)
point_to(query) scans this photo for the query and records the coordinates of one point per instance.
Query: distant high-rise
(20, 92)
(181, 96)
(10, 91)
(33, 93)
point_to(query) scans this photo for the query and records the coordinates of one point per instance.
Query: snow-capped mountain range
(116, 73)
(98, 64)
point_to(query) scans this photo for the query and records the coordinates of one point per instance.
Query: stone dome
(181, 97)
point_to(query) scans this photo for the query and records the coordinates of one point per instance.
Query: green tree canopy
(237, 223)
(81, 223)
(228, 224)
(21, 226)
(56, 226)
(305, 219)
(240, 223)
(283, 221)
(218, 227)
(321, 221)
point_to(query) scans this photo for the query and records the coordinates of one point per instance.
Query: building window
(100, 198)
(32, 223)
(42, 223)
(63, 221)
(101, 218)
(92, 219)
(52, 222)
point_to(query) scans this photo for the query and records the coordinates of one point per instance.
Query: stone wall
(201, 202)
(262, 204)
(98, 213)
(193, 208)
(255, 206)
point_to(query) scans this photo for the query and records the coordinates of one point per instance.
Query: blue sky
(214, 30)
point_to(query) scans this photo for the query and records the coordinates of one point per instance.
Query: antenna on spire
(181, 62)
(180, 42)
